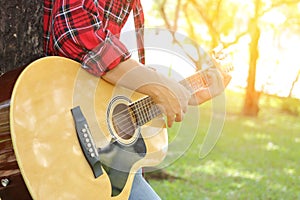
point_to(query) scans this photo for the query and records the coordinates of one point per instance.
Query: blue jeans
(141, 190)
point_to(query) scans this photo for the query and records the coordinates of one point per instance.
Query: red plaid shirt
(88, 31)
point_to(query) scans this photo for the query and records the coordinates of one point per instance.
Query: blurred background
(257, 155)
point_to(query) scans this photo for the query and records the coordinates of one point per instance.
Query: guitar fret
(148, 106)
(196, 81)
(139, 113)
(144, 110)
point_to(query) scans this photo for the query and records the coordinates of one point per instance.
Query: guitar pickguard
(117, 160)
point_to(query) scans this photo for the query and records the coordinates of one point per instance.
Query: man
(88, 31)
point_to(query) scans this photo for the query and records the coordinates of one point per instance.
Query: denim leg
(141, 190)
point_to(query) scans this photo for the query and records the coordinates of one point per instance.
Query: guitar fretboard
(196, 81)
(145, 109)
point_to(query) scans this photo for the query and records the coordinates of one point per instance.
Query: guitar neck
(196, 81)
(144, 110)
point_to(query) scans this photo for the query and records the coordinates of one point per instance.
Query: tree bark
(21, 42)
(251, 107)
(21, 31)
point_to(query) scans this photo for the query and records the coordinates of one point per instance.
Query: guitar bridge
(86, 141)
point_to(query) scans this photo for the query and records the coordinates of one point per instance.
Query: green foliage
(286, 105)
(255, 158)
(291, 106)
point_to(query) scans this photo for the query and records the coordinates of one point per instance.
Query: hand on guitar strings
(170, 96)
(217, 77)
(217, 82)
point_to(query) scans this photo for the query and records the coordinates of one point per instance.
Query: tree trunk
(251, 107)
(21, 31)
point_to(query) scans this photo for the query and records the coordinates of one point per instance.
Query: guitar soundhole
(123, 121)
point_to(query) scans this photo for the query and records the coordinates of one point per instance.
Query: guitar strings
(142, 108)
(192, 79)
(194, 82)
(144, 112)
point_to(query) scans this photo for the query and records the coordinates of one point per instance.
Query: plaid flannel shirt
(88, 31)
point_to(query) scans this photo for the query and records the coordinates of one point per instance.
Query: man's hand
(217, 76)
(170, 96)
(217, 82)
(172, 101)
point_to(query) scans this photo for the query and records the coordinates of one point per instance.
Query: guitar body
(44, 136)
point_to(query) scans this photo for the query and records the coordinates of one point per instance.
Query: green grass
(255, 158)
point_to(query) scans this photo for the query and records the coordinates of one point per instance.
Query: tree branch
(163, 14)
(214, 33)
(294, 83)
(176, 16)
(278, 4)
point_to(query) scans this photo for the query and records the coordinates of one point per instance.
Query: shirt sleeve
(79, 34)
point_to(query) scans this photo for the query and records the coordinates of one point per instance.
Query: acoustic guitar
(76, 136)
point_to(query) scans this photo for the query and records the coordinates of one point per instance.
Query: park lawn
(254, 158)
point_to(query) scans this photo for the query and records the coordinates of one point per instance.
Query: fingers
(217, 81)
(177, 118)
(178, 104)
(222, 59)
(223, 79)
(173, 112)
(226, 79)
(173, 109)
(219, 77)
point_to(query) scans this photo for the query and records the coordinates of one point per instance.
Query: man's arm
(170, 96)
